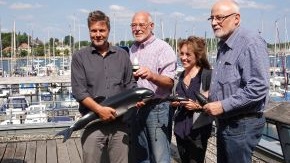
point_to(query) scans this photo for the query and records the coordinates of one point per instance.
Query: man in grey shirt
(239, 86)
(101, 70)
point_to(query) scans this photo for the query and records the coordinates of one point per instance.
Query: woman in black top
(192, 128)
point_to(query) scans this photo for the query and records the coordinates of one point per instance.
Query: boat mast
(53, 51)
(70, 42)
(48, 40)
(162, 29)
(114, 26)
(44, 50)
(13, 49)
(275, 51)
(74, 31)
(175, 39)
(285, 59)
(62, 55)
(1, 54)
(79, 37)
(27, 57)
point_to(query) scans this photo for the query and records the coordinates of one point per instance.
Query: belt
(243, 116)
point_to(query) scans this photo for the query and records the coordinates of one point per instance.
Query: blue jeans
(152, 128)
(237, 139)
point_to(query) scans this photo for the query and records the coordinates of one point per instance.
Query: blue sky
(58, 18)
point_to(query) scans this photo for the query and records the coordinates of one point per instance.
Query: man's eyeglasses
(220, 18)
(141, 25)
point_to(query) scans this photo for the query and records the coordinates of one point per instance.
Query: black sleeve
(206, 79)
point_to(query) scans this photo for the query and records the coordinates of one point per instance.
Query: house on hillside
(24, 47)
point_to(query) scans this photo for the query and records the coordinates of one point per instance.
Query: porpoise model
(201, 98)
(121, 102)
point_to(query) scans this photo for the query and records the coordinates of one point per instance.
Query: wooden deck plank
(2, 149)
(51, 151)
(20, 151)
(62, 153)
(79, 147)
(30, 152)
(73, 151)
(40, 152)
(9, 153)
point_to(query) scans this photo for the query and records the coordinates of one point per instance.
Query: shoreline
(41, 57)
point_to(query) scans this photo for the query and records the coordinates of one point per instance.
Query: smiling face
(187, 57)
(142, 26)
(192, 53)
(99, 33)
(225, 18)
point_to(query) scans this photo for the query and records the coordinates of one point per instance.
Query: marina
(35, 131)
(47, 107)
(36, 143)
(36, 99)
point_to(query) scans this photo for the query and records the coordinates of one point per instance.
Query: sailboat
(279, 77)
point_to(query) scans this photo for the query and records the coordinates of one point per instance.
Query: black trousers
(192, 148)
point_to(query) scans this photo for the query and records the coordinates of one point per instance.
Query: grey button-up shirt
(94, 75)
(240, 79)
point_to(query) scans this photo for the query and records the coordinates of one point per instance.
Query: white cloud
(85, 11)
(20, 6)
(191, 19)
(253, 4)
(206, 4)
(156, 13)
(72, 17)
(166, 1)
(193, 3)
(4, 30)
(117, 8)
(198, 4)
(25, 17)
(287, 10)
(2, 2)
(121, 13)
(177, 15)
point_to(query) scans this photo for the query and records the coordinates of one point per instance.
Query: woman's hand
(175, 104)
(190, 105)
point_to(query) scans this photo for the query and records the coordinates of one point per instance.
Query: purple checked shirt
(159, 57)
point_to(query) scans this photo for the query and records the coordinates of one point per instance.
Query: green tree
(6, 40)
(56, 41)
(23, 53)
(57, 52)
(67, 40)
(84, 43)
(66, 52)
(38, 50)
(22, 38)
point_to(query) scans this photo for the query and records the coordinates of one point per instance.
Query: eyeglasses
(141, 25)
(220, 18)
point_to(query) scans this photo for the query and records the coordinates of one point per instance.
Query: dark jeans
(192, 148)
(237, 139)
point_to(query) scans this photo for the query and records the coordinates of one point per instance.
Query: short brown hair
(98, 15)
